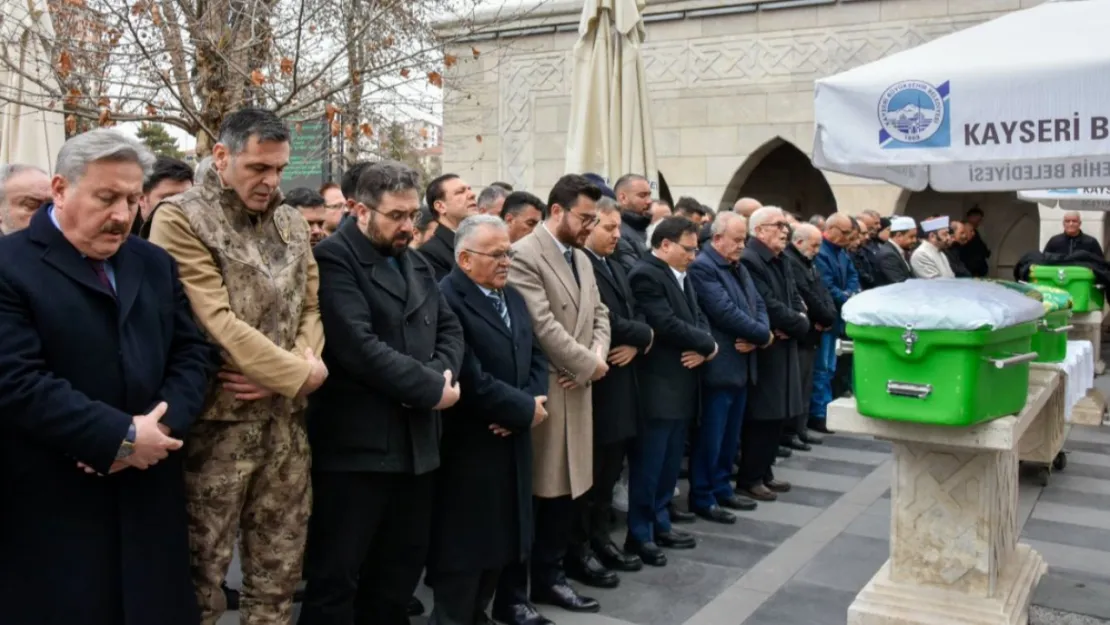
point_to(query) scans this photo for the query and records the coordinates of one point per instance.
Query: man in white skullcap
(928, 260)
(893, 256)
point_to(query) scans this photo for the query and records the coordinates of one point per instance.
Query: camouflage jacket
(252, 282)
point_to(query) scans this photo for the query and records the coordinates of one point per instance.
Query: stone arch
(779, 173)
(1010, 228)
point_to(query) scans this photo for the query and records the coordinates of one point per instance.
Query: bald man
(842, 281)
(746, 206)
(1073, 239)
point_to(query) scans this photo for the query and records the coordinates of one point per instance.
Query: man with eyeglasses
(839, 274)
(394, 355)
(483, 507)
(572, 326)
(778, 395)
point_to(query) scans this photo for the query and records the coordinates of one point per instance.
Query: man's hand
(499, 431)
(819, 327)
(743, 346)
(316, 377)
(621, 355)
(601, 369)
(691, 360)
(540, 412)
(567, 382)
(451, 392)
(151, 444)
(244, 389)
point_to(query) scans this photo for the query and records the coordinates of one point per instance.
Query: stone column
(954, 556)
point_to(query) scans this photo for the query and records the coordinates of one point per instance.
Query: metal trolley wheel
(1060, 462)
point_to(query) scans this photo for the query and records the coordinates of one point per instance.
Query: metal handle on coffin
(844, 347)
(1016, 359)
(1062, 329)
(906, 389)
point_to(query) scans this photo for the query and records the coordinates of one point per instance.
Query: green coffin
(1079, 282)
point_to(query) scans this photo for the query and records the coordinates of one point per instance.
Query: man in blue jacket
(738, 321)
(840, 277)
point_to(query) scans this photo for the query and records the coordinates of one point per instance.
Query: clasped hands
(152, 443)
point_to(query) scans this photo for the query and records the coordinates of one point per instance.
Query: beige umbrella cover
(589, 146)
(28, 135)
(630, 126)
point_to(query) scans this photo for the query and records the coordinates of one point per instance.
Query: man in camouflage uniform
(248, 270)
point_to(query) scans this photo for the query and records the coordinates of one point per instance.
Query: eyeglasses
(399, 216)
(498, 257)
(586, 220)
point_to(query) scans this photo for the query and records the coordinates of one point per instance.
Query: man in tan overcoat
(572, 326)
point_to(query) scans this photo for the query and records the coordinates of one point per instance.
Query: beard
(388, 246)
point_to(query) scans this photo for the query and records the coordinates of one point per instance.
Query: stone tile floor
(801, 561)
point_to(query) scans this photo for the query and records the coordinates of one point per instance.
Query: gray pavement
(801, 561)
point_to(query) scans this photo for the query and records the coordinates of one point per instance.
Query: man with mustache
(395, 352)
(247, 268)
(312, 207)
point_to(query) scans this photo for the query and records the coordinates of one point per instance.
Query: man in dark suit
(594, 556)
(452, 200)
(102, 372)
(778, 396)
(738, 321)
(394, 352)
(894, 255)
(483, 517)
(1068, 242)
(633, 193)
(670, 386)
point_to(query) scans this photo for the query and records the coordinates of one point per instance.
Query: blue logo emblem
(914, 114)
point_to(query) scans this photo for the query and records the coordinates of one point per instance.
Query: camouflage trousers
(248, 479)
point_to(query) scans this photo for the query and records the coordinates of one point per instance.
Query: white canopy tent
(1085, 199)
(995, 107)
(610, 130)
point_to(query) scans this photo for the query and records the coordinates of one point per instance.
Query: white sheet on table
(942, 304)
(1079, 366)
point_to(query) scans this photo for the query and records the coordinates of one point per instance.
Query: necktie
(498, 300)
(608, 269)
(101, 274)
(569, 255)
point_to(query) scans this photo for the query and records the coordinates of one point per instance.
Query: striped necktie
(498, 300)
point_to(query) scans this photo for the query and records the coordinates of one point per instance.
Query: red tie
(101, 274)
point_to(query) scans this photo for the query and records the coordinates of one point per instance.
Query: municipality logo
(914, 114)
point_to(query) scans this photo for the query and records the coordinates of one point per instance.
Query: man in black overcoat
(778, 396)
(670, 386)
(894, 255)
(393, 358)
(102, 366)
(594, 556)
(483, 510)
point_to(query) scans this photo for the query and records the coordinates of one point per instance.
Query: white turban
(902, 224)
(937, 223)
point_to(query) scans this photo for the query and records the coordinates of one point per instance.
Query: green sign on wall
(309, 161)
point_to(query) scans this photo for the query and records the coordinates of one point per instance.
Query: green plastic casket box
(1077, 281)
(941, 377)
(1051, 340)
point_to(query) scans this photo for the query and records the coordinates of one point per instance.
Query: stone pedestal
(1044, 439)
(954, 557)
(1090, 410)
(1088, 327)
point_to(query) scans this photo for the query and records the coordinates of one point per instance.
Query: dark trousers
(842, 376)
(367, 542)
(807, 356)
(716, 446)
(653, 469)
(759, 441)
(461, 598)
(554, 520)
(593, 523)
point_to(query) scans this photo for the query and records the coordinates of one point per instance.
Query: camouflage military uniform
(252, 282)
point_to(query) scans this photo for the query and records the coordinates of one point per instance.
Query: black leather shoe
(616, 560)
(818, 425)
(681, 516)
(736, 502)
(563, 595)
(778, 486)
(784, 452)
(675, 540)
(796, 443)
(717, 514)
(416, 608)
(588, 569)
(810, 438)
(519, 614)
(649, 553)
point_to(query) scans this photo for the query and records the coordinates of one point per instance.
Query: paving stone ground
(801, 560)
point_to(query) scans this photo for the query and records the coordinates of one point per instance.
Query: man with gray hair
(102, 373)
(745, 206)
(491, 199)
(23, 189)
(483, 507)
(1070, 241)
(394, 356)
(248, 271)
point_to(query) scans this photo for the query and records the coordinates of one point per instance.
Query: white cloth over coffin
(1079, 368)
(942, 304)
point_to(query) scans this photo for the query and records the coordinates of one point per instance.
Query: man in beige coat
(928, 260)
(572, 326)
